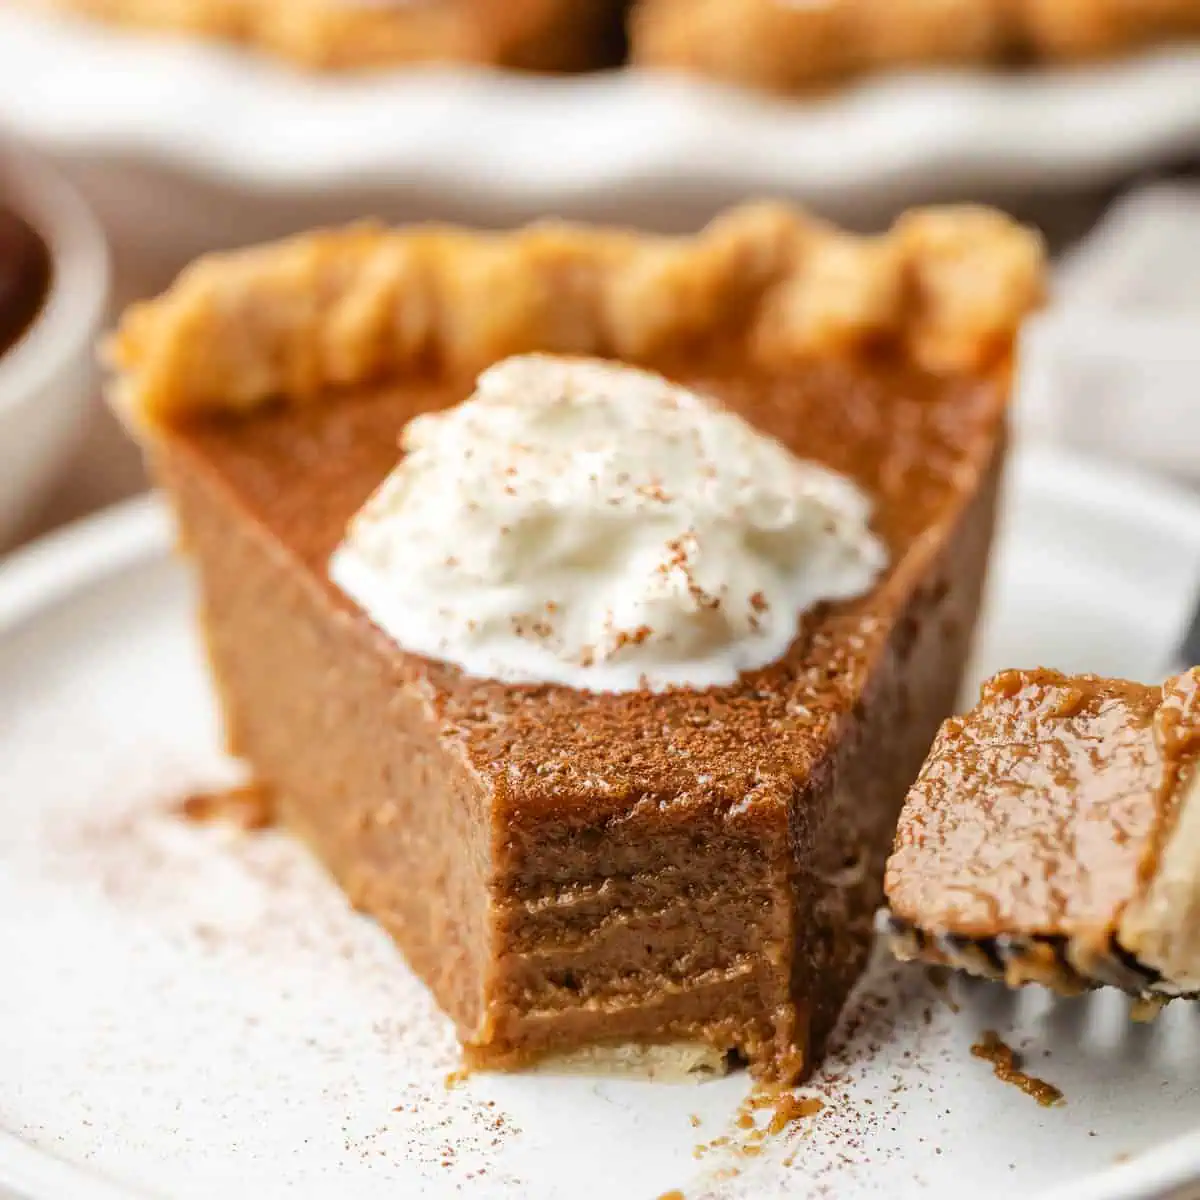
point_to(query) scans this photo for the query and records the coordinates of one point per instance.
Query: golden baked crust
(945, 287)
(789, 45)
(552, 35)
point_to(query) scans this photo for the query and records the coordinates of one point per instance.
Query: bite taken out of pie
(540, 35)
(793, 45)
(634, 651)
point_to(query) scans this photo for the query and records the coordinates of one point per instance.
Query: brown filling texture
(1044, 811)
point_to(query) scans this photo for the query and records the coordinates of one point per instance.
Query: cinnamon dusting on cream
(588, 524)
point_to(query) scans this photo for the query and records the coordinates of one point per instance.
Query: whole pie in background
(542, 35)
(795, 44)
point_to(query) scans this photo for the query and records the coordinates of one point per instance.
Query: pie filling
(797, 45)
(1053, 835)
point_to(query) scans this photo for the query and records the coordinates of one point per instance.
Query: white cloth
(1113, 366)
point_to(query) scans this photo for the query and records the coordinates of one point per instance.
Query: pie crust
(300, 319)
(788, 45)
(549, 35)
(784, 45)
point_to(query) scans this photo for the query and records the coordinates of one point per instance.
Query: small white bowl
(48, 378)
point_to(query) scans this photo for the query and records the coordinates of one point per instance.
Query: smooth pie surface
(905, 438)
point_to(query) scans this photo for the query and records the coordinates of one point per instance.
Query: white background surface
(186, 1011)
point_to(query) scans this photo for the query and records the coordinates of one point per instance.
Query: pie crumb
(1006, 1065)
(248, 807)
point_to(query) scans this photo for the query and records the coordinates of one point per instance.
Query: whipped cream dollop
(588, 524)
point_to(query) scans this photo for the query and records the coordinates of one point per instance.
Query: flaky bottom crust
(663, 1062)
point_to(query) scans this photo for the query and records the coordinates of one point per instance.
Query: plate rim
(885, 132)
(56, 567)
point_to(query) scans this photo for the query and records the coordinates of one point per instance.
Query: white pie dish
(48, 378)
(187, 1012)
(187, 146)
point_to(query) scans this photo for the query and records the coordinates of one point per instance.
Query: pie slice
(1054, 835)
(542, 35)
(791, 45)
(667, 879)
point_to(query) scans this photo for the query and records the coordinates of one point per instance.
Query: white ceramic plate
(187, 1012)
